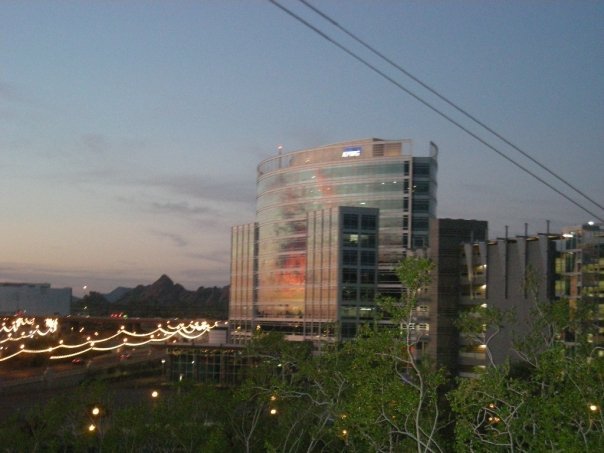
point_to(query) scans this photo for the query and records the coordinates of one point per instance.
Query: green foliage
(275, 405)
(486, 409)
(547, 409)
(371, 394)
(186, 421)
(59, 425)
(480, 325)
(551, 400)
(391, 400)
(415, 273)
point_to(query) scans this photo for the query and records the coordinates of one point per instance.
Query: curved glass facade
(365, 174)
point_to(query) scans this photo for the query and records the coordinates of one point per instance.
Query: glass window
(367, 240)
(390, 222)
(293, 244)
(349, 275)
(349, 293)
(421, 205)
(366, 313)
(420, 223)
(351, 240)
(298, 227)
(421, 187)
(349, 330)
(368, 258)
(348, 312)
(350, 257)
(421, 168)
(388, 277)
(351, 221)
(368, 276)
(367, 294)
(369, 222)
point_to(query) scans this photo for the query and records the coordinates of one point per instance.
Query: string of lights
(50, 324)
(122, 338)
(16, 324)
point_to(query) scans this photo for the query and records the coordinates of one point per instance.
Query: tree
(275, 405)
(187, 421)
(549, 400)
(59, 425)
(392, 402)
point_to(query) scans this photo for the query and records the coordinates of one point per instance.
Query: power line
(430, 106)
(448, 101)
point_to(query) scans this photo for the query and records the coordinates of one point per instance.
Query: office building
(331, 225)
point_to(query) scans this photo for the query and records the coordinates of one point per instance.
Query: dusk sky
(130, 131)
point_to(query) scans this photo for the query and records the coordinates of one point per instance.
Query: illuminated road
(11, 377)
(127, 354)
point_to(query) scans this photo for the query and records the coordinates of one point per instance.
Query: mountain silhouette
(163, 298)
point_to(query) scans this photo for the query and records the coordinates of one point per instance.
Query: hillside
(163, 298)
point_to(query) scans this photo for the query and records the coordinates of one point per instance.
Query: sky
(130, 131)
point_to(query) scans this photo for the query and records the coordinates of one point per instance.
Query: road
(11, 377)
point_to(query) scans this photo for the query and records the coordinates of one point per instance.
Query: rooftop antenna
(280, 152)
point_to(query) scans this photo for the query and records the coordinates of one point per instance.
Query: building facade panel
(243, 277)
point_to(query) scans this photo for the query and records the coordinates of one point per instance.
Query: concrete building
(568, 266)
(34, 299)
(497, 273)
(331, 225)
(472, 271)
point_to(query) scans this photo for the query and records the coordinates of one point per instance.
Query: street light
(96, 413)
(345, 436)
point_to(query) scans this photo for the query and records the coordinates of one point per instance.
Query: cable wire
(448, 101)
(430, 106)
